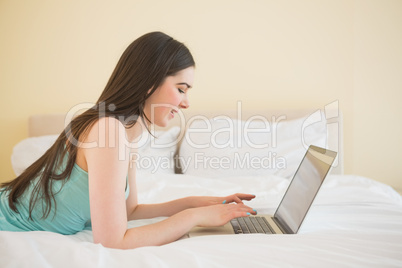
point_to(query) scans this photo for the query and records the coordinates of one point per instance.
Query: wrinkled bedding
(354, 222)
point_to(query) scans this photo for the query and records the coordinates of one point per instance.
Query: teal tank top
(72, 210)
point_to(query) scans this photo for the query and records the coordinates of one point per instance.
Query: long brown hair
(142, 67)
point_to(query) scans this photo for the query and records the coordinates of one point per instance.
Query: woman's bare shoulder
(105, 130)
(105, 133)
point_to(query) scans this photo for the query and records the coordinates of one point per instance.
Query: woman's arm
(176, 226)
(107, 171)
(167, 209)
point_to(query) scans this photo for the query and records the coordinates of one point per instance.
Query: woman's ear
(153, 88)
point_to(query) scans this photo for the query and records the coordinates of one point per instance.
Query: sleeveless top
(72, 210)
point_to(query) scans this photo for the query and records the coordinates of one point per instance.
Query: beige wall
(377, 91)
(278, 54)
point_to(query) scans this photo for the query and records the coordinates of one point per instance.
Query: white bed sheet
(354, 222)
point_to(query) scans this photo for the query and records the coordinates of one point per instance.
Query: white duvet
(354, 222)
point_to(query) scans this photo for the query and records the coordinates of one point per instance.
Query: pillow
(154, 155)
(27, 151)
(256, 147)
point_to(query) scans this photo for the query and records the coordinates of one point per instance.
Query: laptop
(294, 206)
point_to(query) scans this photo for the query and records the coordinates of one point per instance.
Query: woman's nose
(185, 103)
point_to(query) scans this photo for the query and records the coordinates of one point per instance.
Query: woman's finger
(238, 198)
(245, 196)
(242, 208)
(241, 214)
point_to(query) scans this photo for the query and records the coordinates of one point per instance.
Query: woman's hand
(217, 211)
(218, 215)
(202, 201)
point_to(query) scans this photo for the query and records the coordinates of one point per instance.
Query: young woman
(86, 176)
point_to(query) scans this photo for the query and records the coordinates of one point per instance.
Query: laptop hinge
(281, 226)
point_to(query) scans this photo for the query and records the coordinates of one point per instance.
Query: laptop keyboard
(250, 225)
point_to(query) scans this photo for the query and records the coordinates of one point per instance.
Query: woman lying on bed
(86, 176)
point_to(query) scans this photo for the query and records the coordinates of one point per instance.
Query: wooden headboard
(46, 124)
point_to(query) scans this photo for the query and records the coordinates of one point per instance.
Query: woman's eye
(181, 91)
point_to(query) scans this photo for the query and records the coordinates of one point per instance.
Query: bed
(354, 222)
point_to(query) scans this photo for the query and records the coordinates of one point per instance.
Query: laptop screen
(303, 188)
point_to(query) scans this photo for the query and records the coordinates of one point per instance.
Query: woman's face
(169, 97)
